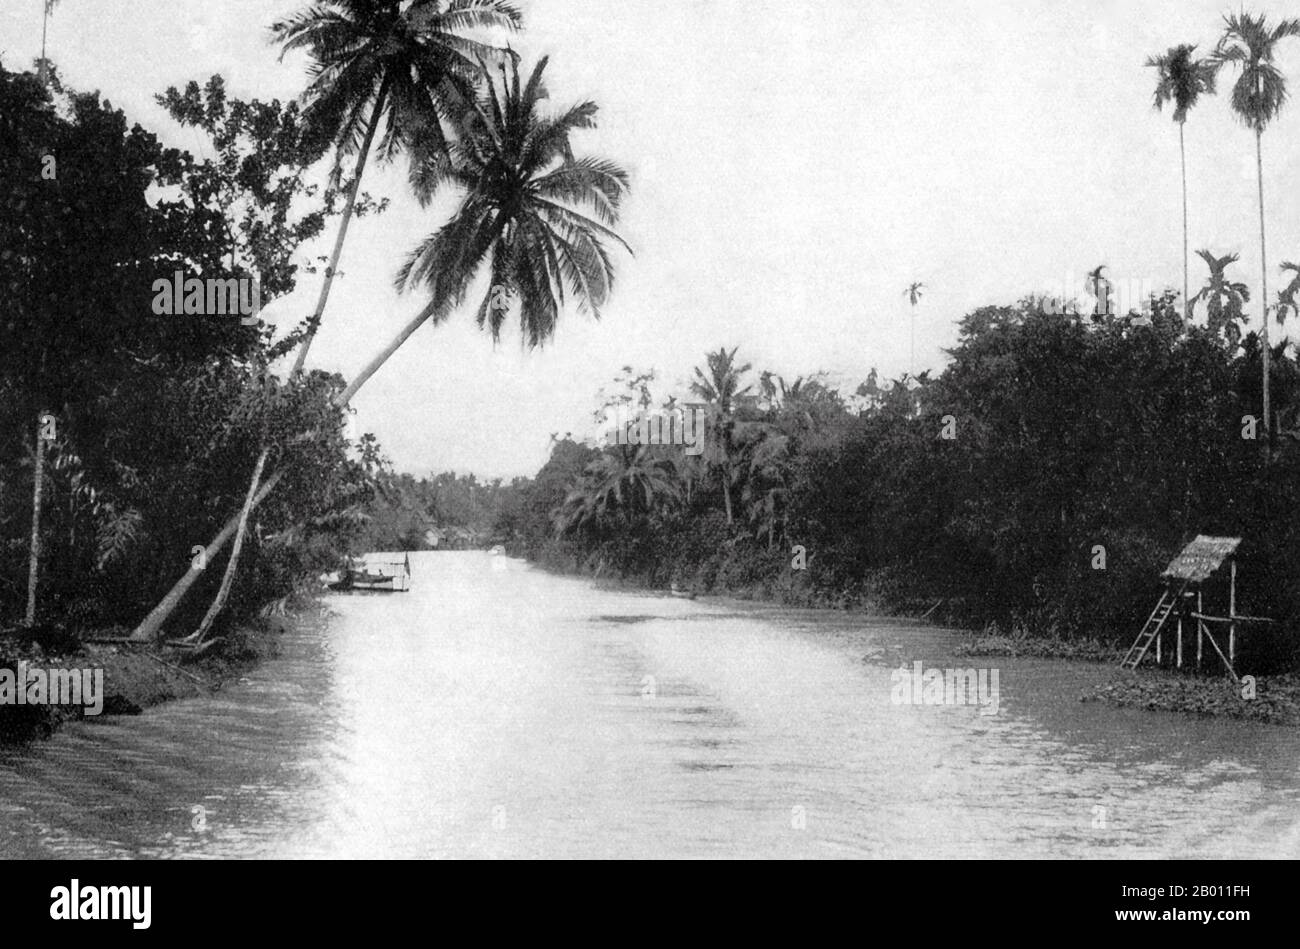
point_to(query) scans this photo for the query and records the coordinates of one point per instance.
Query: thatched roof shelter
(1201, 558)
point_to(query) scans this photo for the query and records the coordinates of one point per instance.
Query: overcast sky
(795, 165)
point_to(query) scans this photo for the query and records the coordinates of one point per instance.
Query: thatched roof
(1201, 558)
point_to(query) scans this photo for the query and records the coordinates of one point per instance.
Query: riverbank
(137, 677)
(1275, 700)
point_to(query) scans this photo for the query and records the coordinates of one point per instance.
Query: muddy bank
(1273, 700)
(134, 677)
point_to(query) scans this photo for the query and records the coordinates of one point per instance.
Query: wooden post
(1199, 627)
(1159, 636)
(1179, 649)
(1232, 611)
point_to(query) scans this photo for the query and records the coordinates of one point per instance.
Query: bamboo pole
(1231, 671)
(1232, 611)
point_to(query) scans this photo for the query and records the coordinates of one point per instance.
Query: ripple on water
(505, 712)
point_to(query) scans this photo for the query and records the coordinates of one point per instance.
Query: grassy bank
(134, 677)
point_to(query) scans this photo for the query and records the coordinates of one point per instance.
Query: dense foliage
(1041, 482)
(158, 419)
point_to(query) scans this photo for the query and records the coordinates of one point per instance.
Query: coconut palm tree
(532, 214)
(413, 70)
(720, 388)
(1182, 80)
(622, 482)
(1257, 98)
(1225, 299)
(914, 294)
(535, 218)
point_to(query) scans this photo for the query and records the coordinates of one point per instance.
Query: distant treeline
(1041, 482)
(445, 512)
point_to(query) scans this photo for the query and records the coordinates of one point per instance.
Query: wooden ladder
(1165, 606)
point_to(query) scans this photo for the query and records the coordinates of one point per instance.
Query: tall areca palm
(720, 388)
(1257, 98)
(45, 28)
(1182, 80)
(414, 70)
(536, 218)
(913, 294)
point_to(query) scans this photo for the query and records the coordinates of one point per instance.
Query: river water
(498, 711)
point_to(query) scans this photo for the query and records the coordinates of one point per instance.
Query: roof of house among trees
(1201, 558)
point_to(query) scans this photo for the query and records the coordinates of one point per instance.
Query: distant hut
(1186, 575)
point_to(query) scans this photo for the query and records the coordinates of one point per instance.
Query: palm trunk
(45, 27)
(314, 323)
(152, 624)
(149, 628)
(1263, 281)
(34, 562)
(912, 368)
(1187, 296)
(227, 578)
(373, 366)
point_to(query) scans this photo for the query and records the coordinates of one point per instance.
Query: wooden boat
(369, 574)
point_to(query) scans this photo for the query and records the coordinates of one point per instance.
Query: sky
(795, 165)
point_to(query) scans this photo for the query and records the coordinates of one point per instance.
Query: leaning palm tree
(413, 66)
(535, 218)
(913, 294)
(413, 70)
(532, 214)
(1182, 81)
(1257, 98)
(1225, 300)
